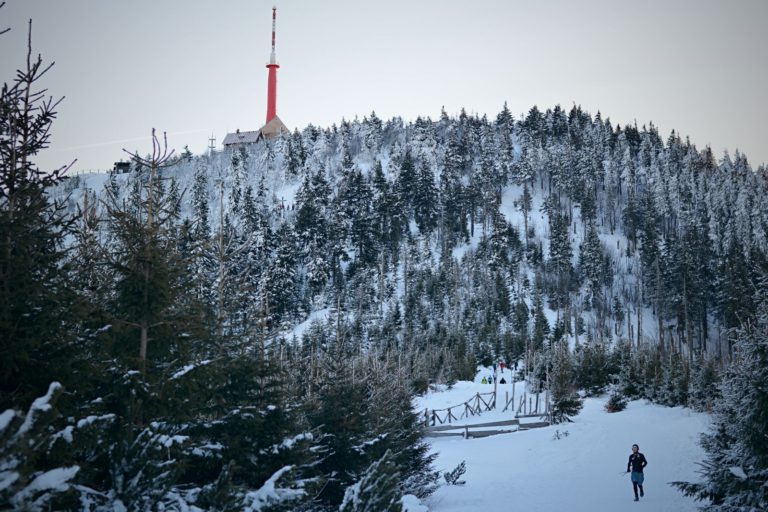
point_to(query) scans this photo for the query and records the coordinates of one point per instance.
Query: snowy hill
(624, 236)
(306, 287)
(581, 472)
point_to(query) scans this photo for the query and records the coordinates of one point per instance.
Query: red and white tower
(272, 80)
(274, 127)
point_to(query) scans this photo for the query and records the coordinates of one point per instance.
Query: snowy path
(530, 471)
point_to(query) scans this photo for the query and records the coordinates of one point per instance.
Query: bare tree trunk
(658, 306)
(576, 324)
(144, 337)
(639, 311)
(222, 268)
(405, 269)
(688, 333)
(381, 286)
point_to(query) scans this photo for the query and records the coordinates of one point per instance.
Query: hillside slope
(620, 234)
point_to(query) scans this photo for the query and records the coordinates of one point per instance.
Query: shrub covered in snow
(30, 478)
(376, 490)
(453, 477)
(616, 402)
(735, 471)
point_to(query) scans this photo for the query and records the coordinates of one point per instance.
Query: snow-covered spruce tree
(33, 474)
(126, 453)
(202, 257)
(405, 186)
(424, 204)
(312, 231)
(593, 367)
(152, 319)
(248, 447)
(130, 468)
(733, 296)
(340, 408)
(676, 377)
(520, 331)
(504, 243)
(591, 267)
(629, 381)
(88, 276)
(560, 254)
(278, 285)
(650, 363)
(295, 154)
(616, 402)
(354, 202)
(363, 406)
(376, 490)
(398, 429)
(145, 260)
(452, 214)
(704, 383)
(566, 402)
(217, 433)
(735, 471)
(35, 323)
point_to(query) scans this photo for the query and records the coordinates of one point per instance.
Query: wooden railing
(529, 405)
(472, 407)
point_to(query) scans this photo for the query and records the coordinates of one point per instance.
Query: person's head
(635, 448)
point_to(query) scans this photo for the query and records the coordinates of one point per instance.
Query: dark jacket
(637, 462)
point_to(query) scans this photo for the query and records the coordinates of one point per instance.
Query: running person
(636, 463)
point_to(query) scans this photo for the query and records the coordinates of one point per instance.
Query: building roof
(239, 137)
(273, 128)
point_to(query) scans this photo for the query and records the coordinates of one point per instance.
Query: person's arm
(644, 461)
(629, 463)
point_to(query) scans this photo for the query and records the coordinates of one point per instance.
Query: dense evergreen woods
(157, 349)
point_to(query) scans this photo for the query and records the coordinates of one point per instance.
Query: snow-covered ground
(317, 316)
(581, 472)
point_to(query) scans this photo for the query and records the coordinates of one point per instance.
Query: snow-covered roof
(273, 128)
(239, 137)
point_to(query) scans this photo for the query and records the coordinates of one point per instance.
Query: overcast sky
(195, 68)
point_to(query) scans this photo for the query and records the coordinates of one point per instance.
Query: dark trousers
(637, 481)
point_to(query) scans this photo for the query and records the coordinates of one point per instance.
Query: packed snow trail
(581, 472)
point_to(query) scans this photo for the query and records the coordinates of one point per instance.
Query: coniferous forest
(245, 329)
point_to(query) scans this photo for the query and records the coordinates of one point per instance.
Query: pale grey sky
(193, 67)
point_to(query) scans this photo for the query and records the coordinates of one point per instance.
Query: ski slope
(582, 472)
